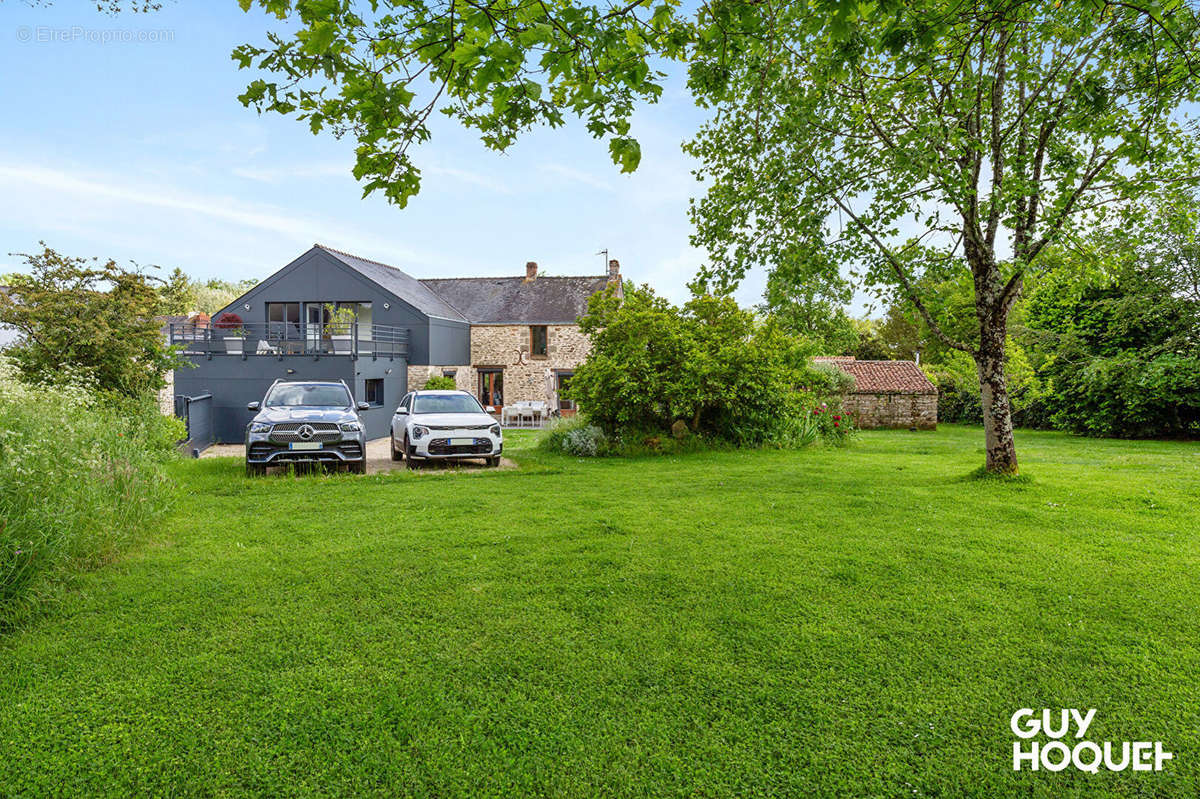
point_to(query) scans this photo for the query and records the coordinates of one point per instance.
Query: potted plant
(235, 335)
(339, 327)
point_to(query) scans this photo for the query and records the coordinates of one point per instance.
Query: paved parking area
(378, 459)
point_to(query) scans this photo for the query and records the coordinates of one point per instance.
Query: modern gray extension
(288, 331)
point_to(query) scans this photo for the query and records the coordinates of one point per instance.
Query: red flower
(837, 417)
(835, 424)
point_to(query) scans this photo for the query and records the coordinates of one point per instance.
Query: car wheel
(359, 467)
(408, 453)
(255, 469)
(396, 454)
(493, 461)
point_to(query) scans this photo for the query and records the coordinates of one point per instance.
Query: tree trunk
(997, 412)
(991, 309)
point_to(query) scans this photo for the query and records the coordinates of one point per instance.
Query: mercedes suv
(444, 425)
(306, 422)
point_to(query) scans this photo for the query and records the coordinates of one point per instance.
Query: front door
(491, 388)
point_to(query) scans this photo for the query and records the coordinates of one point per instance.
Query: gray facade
(235, 380)
(318, 277)
(322, 275)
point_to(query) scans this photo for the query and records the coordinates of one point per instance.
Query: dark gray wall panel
(450, 343)
(233, 382)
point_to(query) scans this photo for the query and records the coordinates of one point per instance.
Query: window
(308, 395)
(373, 392)
(562, 380)
(365, 315)
(283, 320)
(404, 403)
(450, 373)
(491, 386)
(538, 341)
(446, 403)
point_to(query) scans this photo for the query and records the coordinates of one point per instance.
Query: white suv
(444, 425)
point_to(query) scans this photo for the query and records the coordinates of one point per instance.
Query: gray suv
(306, 422)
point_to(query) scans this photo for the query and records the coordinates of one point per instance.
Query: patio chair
(264, 348)
(537, 411)
(509, 411)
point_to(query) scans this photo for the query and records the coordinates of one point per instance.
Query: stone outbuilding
(894, 394)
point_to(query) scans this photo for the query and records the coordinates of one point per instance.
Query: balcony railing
(285, 338)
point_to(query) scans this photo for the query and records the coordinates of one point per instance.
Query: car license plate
(305, 445)
(461, 442)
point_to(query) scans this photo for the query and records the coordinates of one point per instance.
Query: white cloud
(465, 176)
(572, 175)
(112, 214)
(278, 174)
(110, 189)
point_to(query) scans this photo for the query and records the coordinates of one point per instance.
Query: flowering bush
(832, 424)
(81, 473)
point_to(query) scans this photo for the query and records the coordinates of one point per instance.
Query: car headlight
(495, 430)
(260, 427)
(351, 427)
(419, 432)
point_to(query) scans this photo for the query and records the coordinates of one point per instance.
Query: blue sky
(139, 150)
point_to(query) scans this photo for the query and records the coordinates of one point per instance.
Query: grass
(833, 622)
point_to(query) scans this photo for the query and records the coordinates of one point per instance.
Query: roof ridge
(358, 257)
(395, 269)
(520, 277)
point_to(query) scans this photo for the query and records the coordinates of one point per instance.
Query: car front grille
(287, 432)
(460, 426)
(441, 446)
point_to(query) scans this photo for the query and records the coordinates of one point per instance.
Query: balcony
(280, 339)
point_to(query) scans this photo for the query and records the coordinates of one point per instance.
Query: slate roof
(402, 284)
(483, 300)
(515, 300)
(883, 377)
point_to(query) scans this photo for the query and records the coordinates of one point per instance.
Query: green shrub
(1128, 395)
(81, 474)
(957, 381)
(440, 383)
(725, 373)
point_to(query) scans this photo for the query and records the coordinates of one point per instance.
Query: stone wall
(893, 410)
(507, 347)
(418, 375)
(166, 396)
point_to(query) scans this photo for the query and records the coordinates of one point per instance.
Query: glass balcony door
(315, 316)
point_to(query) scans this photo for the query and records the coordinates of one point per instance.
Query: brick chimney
(614, 271)
(530, 271)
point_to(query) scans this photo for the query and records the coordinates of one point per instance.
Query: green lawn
(859, 621)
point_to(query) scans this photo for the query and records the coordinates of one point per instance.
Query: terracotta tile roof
(883, 377)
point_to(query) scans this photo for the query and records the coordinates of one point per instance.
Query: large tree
(975, 133)
(83, 318)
